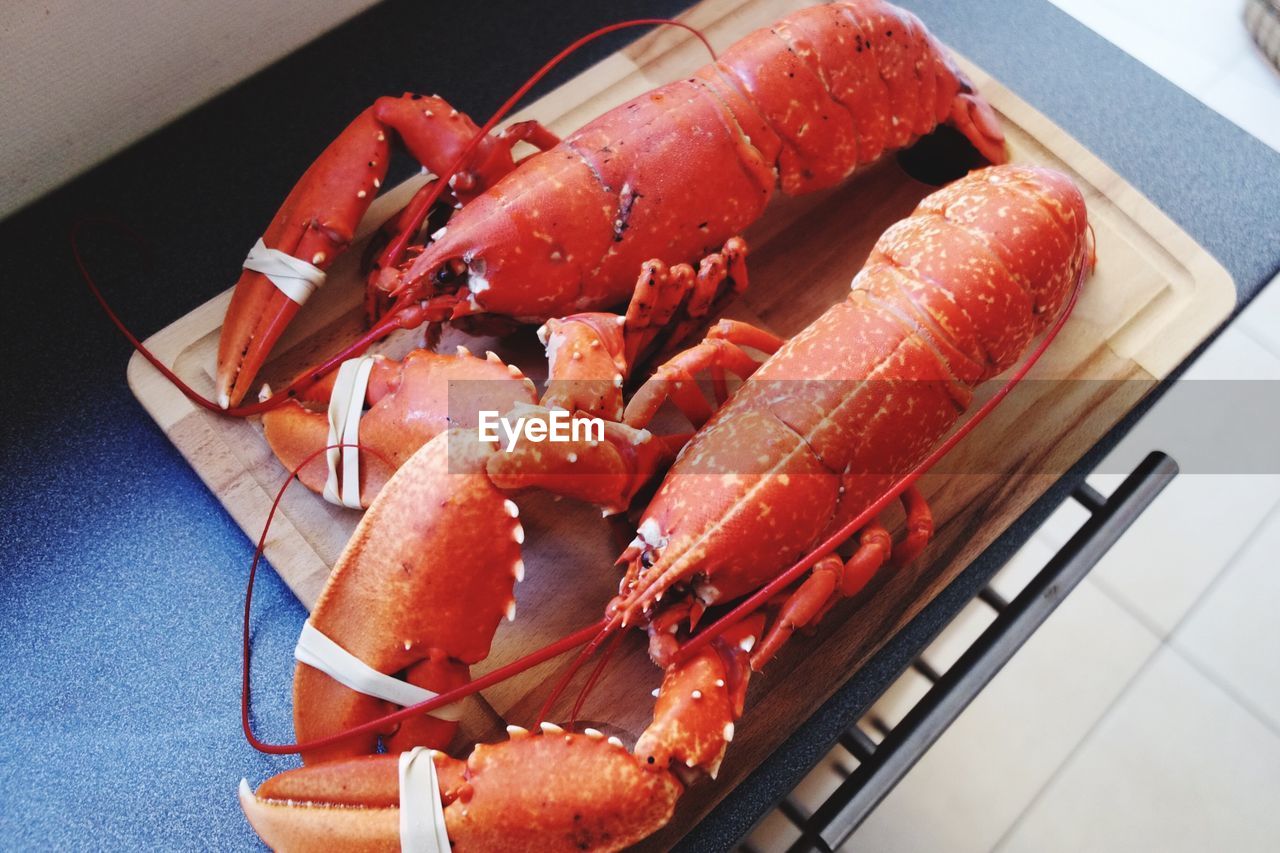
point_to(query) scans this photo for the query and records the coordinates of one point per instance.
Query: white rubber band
(316, 650)
(346, 405)
(296, 278)
(422, 828)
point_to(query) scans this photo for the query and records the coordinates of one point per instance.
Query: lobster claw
(258, 315)
(549, 791)
(315, 224)
(347, 804)
(409, 403)
(419, 590)
(699, 701)
(318, 221)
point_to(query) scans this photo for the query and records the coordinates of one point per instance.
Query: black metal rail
(882, 765)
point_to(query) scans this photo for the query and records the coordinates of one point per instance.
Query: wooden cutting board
(1154, 297)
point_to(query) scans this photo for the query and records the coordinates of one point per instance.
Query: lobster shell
(676, 172)
(949, 297)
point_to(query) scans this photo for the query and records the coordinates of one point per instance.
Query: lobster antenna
(595, 676)
(603, 632)
(762, 595)
(388, 323)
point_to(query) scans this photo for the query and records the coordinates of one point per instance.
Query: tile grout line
(1249, 333)
(1120, 600)
(1247, 541)
(1079, 744)
(1162, 642)
(1163, 635)
(1272, 516)
(1245, 704)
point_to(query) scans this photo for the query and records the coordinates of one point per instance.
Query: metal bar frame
(881, 766)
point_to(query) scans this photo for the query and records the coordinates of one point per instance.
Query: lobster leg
(832, 579)
(590, 355)
(722, 349)
(607, 471)
(661, 291)
(318, 219)
(919, 528)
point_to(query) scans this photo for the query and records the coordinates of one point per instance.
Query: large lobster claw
(318, 220)
(549, 791)
(315, 224)
(418, 593)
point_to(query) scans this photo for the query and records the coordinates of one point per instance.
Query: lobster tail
(949, 297)
(841, 84)
(983, 264)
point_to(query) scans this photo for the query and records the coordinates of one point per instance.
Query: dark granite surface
(122, 595)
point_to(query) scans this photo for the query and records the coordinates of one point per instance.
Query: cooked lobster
(670, 175)
(590, 355)
(949, 298)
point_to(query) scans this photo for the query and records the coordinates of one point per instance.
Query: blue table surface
(121, 604)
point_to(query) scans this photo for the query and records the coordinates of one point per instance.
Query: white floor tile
(1029, 560)
(958, 636)
(1248, 93)
(1062, 524)
(1190, 42)
(1182, 542)
(1262, 318)
(1176, 766)
(1233, 632)
(969, 788)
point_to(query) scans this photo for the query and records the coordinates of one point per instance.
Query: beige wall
(80, 80)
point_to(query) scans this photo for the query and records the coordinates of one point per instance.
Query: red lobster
(671, 175)
(949, 297)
